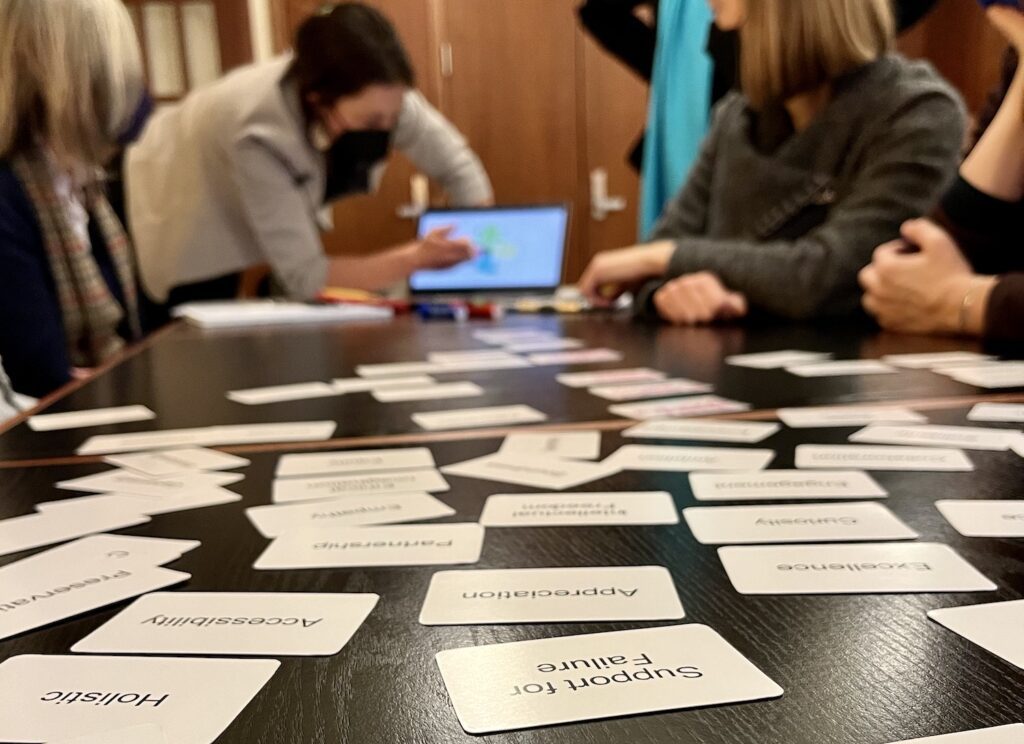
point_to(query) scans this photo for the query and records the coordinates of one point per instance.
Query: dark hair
(345, 47)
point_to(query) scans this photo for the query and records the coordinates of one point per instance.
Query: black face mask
(351, 159)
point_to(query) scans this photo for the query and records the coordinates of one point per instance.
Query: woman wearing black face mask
(238, 174)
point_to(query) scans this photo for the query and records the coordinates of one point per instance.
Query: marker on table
(457, 311)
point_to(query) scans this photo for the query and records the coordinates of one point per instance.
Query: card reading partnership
(877, 568)
(232, 624)
(45, 698)
(551, 595)
(527, 684)
(400, 545)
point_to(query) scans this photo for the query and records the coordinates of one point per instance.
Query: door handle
(601, 204)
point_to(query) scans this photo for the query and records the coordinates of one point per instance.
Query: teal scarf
(679, 107)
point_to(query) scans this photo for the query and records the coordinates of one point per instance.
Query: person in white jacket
(11, 404)
(238, 173)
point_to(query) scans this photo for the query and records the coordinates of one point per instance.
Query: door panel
(614, 115)
(511, 88)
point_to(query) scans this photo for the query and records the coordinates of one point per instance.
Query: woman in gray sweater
(832, 144)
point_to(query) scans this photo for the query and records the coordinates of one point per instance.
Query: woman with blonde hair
(71, 95)
(832, 142)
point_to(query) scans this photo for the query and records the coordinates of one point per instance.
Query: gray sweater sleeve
(282, 222)
(911, 159)
(438, 149)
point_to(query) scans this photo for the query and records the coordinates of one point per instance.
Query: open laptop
(521, 254)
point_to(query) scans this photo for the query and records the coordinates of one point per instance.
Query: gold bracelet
(968, 302)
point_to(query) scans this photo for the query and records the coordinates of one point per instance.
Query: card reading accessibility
(232, 624)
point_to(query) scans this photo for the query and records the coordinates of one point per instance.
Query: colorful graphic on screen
(516, 248)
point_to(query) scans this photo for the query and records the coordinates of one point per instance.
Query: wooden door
(960, 42)
(188, 43)
(511, 86)
(613, 113)
(369, 223)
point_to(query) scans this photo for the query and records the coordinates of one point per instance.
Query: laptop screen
(519, 248)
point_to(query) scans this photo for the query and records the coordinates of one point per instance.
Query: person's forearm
(374, 272)
(996, 166)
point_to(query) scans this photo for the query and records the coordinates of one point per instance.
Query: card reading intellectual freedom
(551, 595)
(579, 509)
(510, 686)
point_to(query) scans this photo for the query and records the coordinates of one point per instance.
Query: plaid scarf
(90, 312)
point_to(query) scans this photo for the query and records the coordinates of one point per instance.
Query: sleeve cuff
(1006, 309)
(975, 211)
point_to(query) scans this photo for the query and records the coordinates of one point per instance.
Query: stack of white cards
(777, 359)
(85, 575)
(990, 375)
(209, 436)
(330, 475)
(346, 509)
(95, 417)
(311, 390)
(555, 460)
(151, 483)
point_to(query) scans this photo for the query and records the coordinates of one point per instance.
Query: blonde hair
(70, 77)
(790, 47)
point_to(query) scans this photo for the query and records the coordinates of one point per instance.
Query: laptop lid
(520, 249)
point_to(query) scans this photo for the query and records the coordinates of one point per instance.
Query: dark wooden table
(856, 669)
(183, 375)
